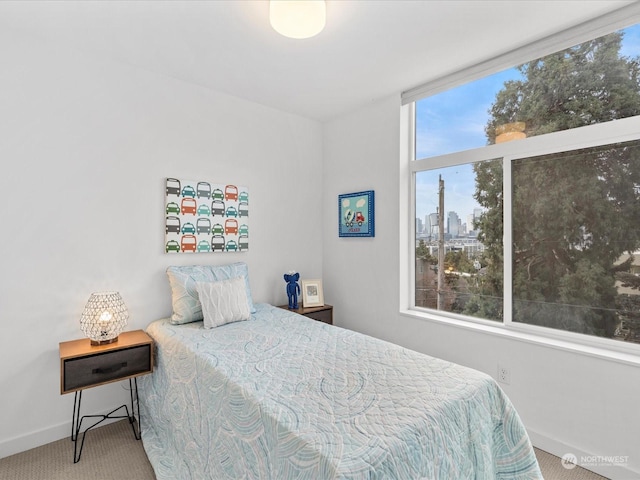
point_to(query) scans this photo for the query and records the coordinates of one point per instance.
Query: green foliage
(459, 261)
(575, 214)
(583, 85)
(628, 280)
(422, 252)
(629, 308)
(487, 301)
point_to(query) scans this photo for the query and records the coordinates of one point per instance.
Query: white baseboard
(615, 468)
(40, 437)
(34, 439)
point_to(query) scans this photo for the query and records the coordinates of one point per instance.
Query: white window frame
(585, 137)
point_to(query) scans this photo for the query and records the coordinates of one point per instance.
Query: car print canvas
(356, 214)
(205, 217)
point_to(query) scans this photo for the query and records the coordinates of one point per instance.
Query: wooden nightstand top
(322, 314)
(305, 310)
(82, 347)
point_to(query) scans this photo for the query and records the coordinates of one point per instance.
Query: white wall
(570, 403)
(85, 146)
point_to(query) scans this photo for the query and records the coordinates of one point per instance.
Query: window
(464, 265)
(526, 195)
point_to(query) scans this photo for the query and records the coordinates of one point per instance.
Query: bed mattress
(282, 396)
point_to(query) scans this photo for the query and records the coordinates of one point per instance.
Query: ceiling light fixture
(297, 18)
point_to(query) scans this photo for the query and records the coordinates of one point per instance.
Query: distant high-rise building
(470, 219)
(419, 225)
(431, 226)
(453, 224)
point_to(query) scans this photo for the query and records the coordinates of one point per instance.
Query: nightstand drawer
(325, 316)
(104, 367)
(321, 314)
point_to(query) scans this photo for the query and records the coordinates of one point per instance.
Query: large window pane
(442, 126)
(590, 83)
(455, 272)
(576, 241)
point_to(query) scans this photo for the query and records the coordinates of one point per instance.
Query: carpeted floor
(552, 469)
(112, 453)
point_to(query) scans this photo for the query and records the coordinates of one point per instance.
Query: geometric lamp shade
(104, 317)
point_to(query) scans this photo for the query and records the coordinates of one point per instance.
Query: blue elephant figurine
(293, 289)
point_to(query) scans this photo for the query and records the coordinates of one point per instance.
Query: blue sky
(454, 121)
(442, 126)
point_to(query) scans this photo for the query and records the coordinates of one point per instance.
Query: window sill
(519, 334)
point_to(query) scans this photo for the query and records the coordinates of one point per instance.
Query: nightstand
(83, 365)
(322, 314)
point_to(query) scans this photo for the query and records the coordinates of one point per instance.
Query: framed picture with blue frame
(356, 214)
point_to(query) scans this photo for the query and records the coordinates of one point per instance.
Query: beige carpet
(112, 453)
(552, 469)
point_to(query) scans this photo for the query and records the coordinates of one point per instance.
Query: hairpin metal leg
(76, 423)
(76, 415)
(135, 412)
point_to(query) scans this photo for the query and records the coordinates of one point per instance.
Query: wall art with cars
(205, 217)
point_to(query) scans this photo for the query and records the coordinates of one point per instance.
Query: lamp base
(104, 342)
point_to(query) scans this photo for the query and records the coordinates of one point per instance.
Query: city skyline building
(453, 224)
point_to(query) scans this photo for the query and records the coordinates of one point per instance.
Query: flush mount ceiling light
(297, 18)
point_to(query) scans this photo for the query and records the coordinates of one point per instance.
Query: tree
(487, 301)
(574, 214)
(628, 305)
(458, 260)
(587, 84)
(425, 277)
(422, 252)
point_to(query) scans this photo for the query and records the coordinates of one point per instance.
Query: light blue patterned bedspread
(284, 397)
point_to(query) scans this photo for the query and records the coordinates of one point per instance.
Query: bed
(281, 396)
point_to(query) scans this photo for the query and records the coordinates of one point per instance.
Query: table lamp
(104, 317)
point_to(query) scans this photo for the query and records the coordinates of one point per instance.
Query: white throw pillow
(223, 302)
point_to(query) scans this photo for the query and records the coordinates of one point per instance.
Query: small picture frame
(312, 295)
(356, 214)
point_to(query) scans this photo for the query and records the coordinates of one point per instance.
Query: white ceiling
(368, 50)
